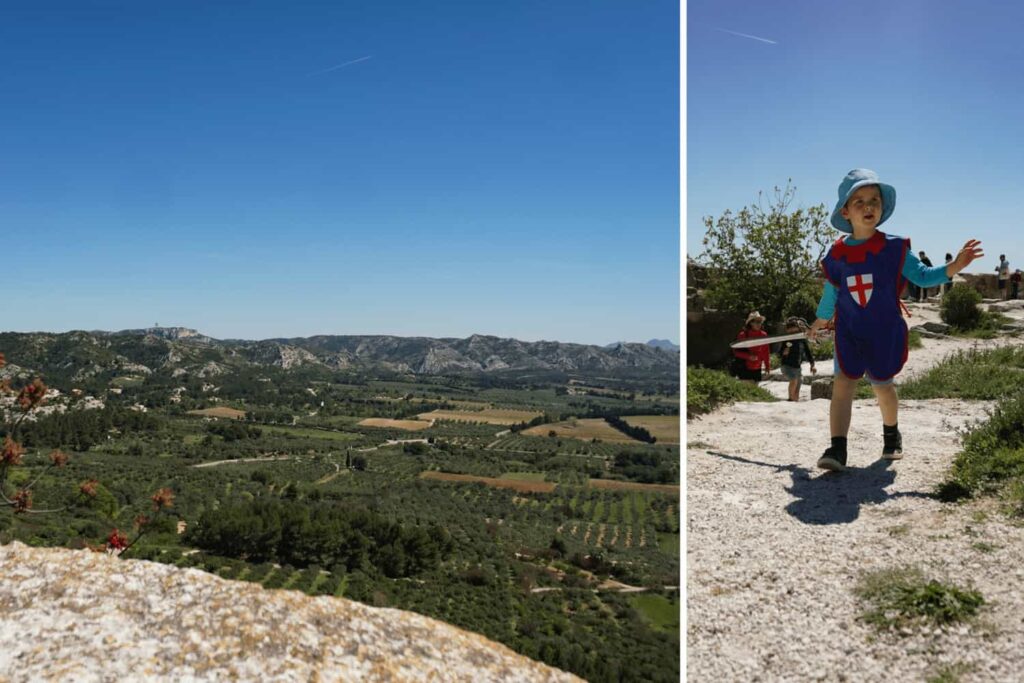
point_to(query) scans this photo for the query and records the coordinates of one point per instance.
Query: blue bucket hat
(854, 180)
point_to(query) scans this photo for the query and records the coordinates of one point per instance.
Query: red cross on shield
(860, 287)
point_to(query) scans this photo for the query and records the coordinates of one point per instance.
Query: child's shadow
(835, 497)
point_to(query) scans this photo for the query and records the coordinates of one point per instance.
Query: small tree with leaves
(766, 257)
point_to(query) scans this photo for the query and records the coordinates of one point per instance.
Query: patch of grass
(992, 458)
(904, 598)
(983, 547)
(988, 326)
(707, 389)
(914, 340)
(899, 530)
(973, 374)
(668, 544)
(659, 611)
(823, 349)
(950, 673)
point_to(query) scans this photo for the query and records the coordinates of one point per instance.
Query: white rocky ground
(81, 616)
(775, 546)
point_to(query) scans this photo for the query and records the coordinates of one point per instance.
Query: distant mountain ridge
(184, 350)
(655, 343)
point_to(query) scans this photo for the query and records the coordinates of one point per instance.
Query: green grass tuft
(904, 598)
(707, 389)
(972, 374)
(950, 673)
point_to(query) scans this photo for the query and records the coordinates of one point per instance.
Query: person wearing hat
(866, 272)
(749, 361)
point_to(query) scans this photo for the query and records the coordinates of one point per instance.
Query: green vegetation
(904, 598)
(660, 611)
(959, 307)
(268, 490)
(707, 389)
(951, 673)
(766, 257)
(992, 458)
(971, 374)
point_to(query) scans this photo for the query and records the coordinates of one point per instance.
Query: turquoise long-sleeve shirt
(913, 270)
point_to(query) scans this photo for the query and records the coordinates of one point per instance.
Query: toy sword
(762, 341)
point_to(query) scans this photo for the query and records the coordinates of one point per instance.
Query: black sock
(839, 443)
(890, 429)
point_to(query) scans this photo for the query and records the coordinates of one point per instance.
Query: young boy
(793, 354)
(865, 274)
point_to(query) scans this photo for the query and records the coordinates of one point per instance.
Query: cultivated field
(665, 428)
(586, 429)
(220, 411)
(514, 484)
(497, 416)
(386, 423)
(613, 485)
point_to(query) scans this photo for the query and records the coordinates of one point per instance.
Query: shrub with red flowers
(27, 399)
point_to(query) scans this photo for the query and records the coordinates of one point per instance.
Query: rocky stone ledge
(82, 616)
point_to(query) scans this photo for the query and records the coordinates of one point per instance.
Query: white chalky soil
(776, 546)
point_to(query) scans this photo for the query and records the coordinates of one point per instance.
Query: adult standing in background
(945, 288)
(1003, 276)
(922, 292)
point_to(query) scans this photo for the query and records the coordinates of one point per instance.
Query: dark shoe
(893, 448)
(833, 459)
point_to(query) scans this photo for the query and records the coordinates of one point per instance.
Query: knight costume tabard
(870, 334)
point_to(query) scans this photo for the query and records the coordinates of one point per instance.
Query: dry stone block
(821, 388)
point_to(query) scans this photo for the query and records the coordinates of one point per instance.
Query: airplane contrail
(340, 66)
(746, 35)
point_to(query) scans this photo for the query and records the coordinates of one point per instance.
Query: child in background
(753, 359)
(865, 274)
(793, 354)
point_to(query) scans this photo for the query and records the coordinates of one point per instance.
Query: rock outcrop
(83, 616)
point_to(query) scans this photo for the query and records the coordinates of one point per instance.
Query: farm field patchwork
(220, 411)
(585, 429)
(386, 423)
(665, 428)
(498, 416)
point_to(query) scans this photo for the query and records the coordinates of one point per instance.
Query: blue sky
(269, 169)
(928, 94)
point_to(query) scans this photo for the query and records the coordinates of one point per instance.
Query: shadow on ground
(833, 497)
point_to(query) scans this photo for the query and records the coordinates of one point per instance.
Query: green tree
(766, 258)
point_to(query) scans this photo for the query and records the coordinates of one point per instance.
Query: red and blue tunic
(871, 335)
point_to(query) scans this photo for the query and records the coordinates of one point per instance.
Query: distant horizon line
(322, 334)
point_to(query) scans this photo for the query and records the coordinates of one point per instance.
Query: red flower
(140, 521)
(164, 498)
(22, 501)
(88, 488)
(117, 541)
(59, 458)
(3, 361)
(12, 452)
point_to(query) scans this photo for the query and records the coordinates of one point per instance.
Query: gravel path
(775, 546)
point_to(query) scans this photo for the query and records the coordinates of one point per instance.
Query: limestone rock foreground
(84, 616)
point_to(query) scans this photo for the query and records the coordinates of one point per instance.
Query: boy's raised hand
(971, 250)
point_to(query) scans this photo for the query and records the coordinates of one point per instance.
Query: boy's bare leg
(888, 402)
(794, 390)
(841, 406)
